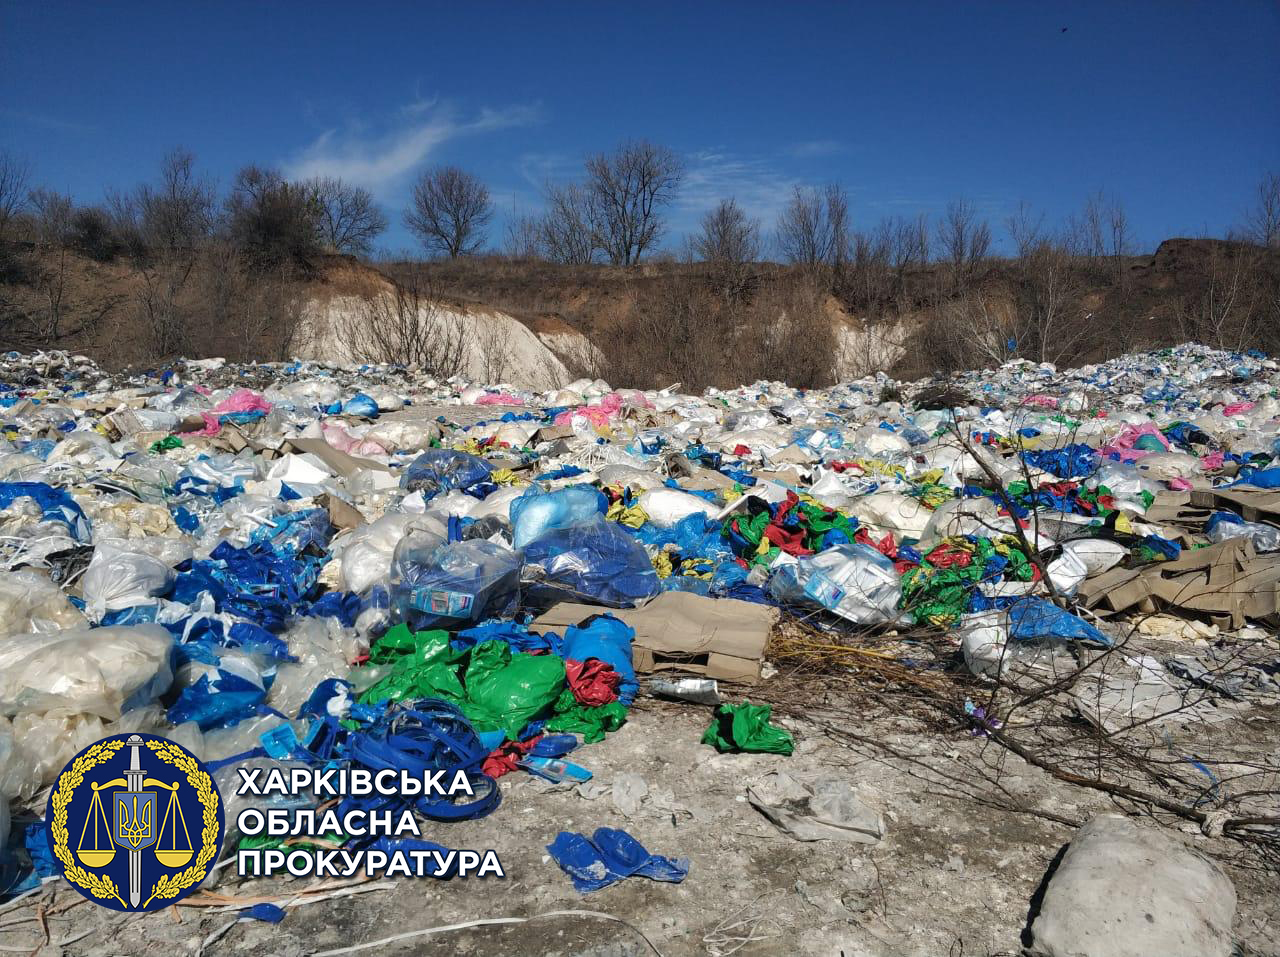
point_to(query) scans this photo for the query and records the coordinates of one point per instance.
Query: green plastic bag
(745, 727)
(592, 723)
(418, 665)
(505, 690)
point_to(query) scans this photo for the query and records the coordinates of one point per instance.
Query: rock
(1127, 891)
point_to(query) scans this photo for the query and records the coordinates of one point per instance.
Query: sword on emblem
(134, 778)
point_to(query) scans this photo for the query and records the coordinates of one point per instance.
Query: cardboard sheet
(720, 638)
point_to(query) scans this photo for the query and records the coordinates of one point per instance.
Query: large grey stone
(1127, 891)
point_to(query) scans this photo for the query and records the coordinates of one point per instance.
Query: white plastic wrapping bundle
(667, 506)
(892, 512)
(1067, 571)
(117, 579)
(1126, 482)
(636, 479)
(877, 442)
(323, 649)
(366, 552)
(29, 602)
(983, 638)
(409, 435)
(1169, 465)
(96, 671)
(1097, 554)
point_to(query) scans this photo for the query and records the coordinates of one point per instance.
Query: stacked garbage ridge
(304, 565)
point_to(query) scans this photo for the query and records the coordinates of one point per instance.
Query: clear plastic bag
(596, 562)
(441, 470)
(667, 506)
(537, 511)
(452, 584)
(367, 552)
(117, 579)
(1223, 526)
(29, 602)
(100, 671)
(853, 581)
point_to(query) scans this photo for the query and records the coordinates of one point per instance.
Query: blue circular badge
(135, 822)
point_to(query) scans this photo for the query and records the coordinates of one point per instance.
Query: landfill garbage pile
(309, 564)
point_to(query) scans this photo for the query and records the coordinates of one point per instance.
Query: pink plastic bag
(1235, 408)
(1122, 444)
(1047, 401)
(499, 398)
(243, 400)
(211, 427)
(344, 441)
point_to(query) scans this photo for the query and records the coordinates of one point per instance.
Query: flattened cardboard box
(1253, 505)
(1228, 578)
(721, 638)
(342, 463)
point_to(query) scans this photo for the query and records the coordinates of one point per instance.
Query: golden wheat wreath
(104, 887)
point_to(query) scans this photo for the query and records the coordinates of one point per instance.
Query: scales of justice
(134, 815)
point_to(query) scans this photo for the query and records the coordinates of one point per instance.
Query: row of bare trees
(198, 271)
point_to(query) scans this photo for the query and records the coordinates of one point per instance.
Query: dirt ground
(954, 876)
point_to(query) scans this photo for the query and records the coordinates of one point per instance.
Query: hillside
(540, 324)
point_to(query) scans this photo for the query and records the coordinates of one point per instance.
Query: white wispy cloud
(712, 175)
(380, 159)
(812, 149)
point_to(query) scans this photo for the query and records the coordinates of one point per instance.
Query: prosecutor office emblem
(135, 822)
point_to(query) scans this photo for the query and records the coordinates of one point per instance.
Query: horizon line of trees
(221, 270)
(615, 214)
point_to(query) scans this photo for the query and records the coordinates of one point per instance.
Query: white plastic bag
(667, 506)
(117, 579)
(853, 581)
(366, 552)
(96, 671)
(29, 602)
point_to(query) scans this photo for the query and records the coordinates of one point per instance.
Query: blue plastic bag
(598, 563)
(361, 405)
(455, 585)
(608, 856)
(1036, 620)
(536, 511)
(442, 470)
(608, 639)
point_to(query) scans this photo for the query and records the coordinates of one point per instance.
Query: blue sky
(1174, 107)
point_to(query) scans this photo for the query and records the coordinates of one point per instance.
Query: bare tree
(52, 211)
(1226, 308)
(407, 326)
(729, 242)
(804, 235)
(839, 225)
(565, 228)
(347, 217)
(1025, 228)
(626, 191)
(1119, 240)
(449, 211)
(1049, 324)
(14, 174)
(1263, 221)
(272, 221)
(869, 276)
(176, 213)
(523, 237)
(813, 228)
(965, 242)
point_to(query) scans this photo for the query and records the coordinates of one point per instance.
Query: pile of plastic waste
(301, 563)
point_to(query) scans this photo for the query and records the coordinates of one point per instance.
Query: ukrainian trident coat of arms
(135, 822)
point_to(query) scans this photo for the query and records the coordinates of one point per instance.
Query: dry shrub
(679, 330)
